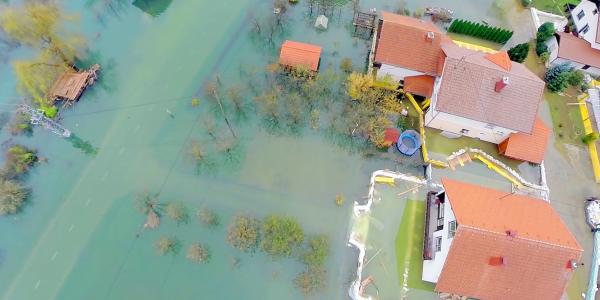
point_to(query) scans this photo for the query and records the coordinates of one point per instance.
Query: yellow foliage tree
(358, 84)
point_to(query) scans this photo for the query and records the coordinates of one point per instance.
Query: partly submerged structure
(70, 85)
(489, 244)
(294, 54)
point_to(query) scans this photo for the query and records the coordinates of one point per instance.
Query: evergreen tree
(545, 32)
(557, 77)
(519, 52)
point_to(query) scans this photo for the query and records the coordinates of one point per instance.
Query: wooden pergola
(364, 22)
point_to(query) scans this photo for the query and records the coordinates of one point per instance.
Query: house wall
(395, 72)
(552, 44)
(433, 268)
(455, 124)
(578, 66)
(590, 19)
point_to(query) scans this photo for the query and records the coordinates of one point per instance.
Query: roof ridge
(539, 80)
(523, 238)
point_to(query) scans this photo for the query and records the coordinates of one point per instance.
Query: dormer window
(580, 15)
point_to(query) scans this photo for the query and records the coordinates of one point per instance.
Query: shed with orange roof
(527, 147)
(294, 54)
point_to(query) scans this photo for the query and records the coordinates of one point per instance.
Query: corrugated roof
(578, 50)
(467, 90)
(300, 54)
(498, 211)
(404, 42)
(530, 269)
(528, 147)
(421, 85)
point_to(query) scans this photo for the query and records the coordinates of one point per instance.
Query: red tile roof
(535, 257)
(403, 42)
(421, 85)
(578, 50)
(527, 147)
(300, 54)
(467, 90)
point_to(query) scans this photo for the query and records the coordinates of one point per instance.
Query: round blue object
(409, 142)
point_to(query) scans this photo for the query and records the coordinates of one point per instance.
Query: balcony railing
(428, 251)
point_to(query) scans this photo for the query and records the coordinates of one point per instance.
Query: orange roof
(498, 211)
(421, 85)
(501, 59)
(300, 54)
(535, 258)
(578, 50)
(403, 42)
(528, 147)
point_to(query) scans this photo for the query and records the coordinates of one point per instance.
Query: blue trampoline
(409, 142)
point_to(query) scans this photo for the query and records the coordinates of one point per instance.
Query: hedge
(479, 30)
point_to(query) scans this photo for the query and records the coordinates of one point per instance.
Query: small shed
(70, 85)
(321, 22)
(527, 147)
(421, 85)
(294, 54)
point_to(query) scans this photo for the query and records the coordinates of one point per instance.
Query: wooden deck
(70, 85)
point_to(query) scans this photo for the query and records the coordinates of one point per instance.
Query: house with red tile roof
(578, 52)
(476, 94)
(294, 54)
(489, 244)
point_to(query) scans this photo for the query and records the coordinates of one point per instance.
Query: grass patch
(553, 6)
(566, 119)
(409, 246)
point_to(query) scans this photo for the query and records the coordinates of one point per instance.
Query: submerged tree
(39, 26)
(208, 217)
(166, 244)
(20, 124)
(243, 233)
(149, 205)
(317, 251)
(12, 197)
(198, 253)
(203, 162)
(18, 161)
(311, 280)
(212, 91)
(177, 212)
(281, 236)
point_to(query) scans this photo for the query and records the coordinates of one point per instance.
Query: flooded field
(80, 237)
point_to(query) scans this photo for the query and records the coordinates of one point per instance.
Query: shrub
(575, 78)
(195, 102)
(317, 252)
(50, 111)
(545, 57)
(556, 77)
(545, 32)
(165, 245)
(20, 125)
(281, 235)
(519, 52)
(243, 233)
(346, 65)
(310, 281)
(12, 197)
(18, 160)
(541, 48)
(590, 138)
(482, 31)
(339, 200)
(526, 3)
(177, 212)
(208, 217)
(198, 253)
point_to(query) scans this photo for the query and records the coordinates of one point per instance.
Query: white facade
(585, 19)
(396, 73)
(578, 66)
(466, 127)
(433, 268)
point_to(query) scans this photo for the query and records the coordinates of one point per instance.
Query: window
(440, 216)
(595, 11)
(451, 229)
(438, 244)
(585, 29)
(490, 126)
(580, 15)
(464, 131)
(585, 67)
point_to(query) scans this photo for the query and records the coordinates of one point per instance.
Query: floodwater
(77, 239)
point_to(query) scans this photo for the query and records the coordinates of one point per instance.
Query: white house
(488, 244)
(584, 18)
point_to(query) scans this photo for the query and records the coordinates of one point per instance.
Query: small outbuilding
(321, 22)
(70, 85)
(527, 147)
(294, 54)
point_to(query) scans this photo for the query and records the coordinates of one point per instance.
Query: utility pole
(37, 118)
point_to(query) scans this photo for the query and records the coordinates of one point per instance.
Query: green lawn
(409, 245)
(566, 119)
(553, 6)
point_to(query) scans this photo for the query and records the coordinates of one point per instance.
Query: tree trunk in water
(223, 113)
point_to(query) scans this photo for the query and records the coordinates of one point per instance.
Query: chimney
(497, 261)
(430, 36)
(500, 84)
(511, 233)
